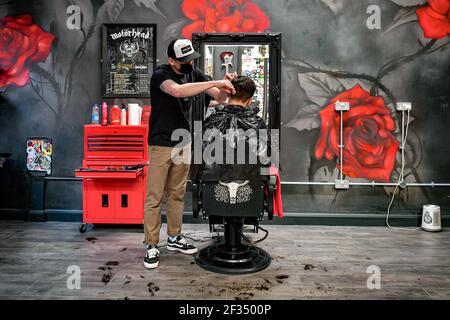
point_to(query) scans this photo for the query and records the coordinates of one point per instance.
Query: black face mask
(186, 68)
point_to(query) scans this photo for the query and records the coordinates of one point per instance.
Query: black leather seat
(234, 204)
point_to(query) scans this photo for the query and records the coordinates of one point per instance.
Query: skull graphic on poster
(129, 50)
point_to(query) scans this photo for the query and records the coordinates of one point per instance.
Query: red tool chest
(114, 173)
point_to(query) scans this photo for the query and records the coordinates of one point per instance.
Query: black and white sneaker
(151, 260)
(180, 244)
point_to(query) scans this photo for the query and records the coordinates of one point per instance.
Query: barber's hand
(226, 86)
(231, 76)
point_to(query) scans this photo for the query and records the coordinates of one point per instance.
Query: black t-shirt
(169, 113)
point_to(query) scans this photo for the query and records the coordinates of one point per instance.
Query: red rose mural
(434, 18)
(223, 16)
(21, 43)
(370, 147)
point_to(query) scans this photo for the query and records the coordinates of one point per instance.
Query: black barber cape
(222, 127)
(169, 113)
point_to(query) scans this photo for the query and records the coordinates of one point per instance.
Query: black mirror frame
(271, 39)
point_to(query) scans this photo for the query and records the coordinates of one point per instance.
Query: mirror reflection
(250, 60)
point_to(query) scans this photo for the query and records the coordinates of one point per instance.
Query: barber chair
(233, 204)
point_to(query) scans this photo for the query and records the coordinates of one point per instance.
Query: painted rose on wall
(21, 42)
(372, 129)
(370, 146)
(434, 18)
(223, 16)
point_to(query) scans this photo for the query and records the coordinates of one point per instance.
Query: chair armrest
(272, 181)
(269, 197)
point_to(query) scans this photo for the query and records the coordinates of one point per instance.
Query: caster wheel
(83, 228)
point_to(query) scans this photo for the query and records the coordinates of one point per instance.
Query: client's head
(245, 89)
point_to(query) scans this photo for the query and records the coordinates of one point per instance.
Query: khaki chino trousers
(168, 171)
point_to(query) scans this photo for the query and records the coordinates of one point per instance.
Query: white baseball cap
(182, 50)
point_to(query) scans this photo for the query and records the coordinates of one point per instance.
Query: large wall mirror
(256, 55)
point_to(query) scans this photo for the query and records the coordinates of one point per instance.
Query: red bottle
(115, 115)
(146, 112)
(104, 114)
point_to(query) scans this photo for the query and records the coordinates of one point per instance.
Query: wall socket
(403, 106)
(342, 106)
(342, 184)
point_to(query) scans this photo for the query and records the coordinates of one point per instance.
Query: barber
(172, 89)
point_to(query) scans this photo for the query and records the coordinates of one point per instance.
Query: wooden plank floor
(309, 262)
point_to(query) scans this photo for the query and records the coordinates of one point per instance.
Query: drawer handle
(124, 201)
(105, 201)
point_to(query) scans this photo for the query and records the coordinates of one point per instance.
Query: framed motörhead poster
(128, 60)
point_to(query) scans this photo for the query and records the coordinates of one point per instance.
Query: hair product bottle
(104, 114)
(123, 116)
(115, 115)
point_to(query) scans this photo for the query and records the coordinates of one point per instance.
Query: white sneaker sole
(151, 265)
(190, 251)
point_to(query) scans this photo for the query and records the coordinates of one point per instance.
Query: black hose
(247, 239)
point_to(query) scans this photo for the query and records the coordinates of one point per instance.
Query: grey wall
(327, 35)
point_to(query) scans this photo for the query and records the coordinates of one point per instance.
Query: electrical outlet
(403, 106)
(342, 184)
(342, 106)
